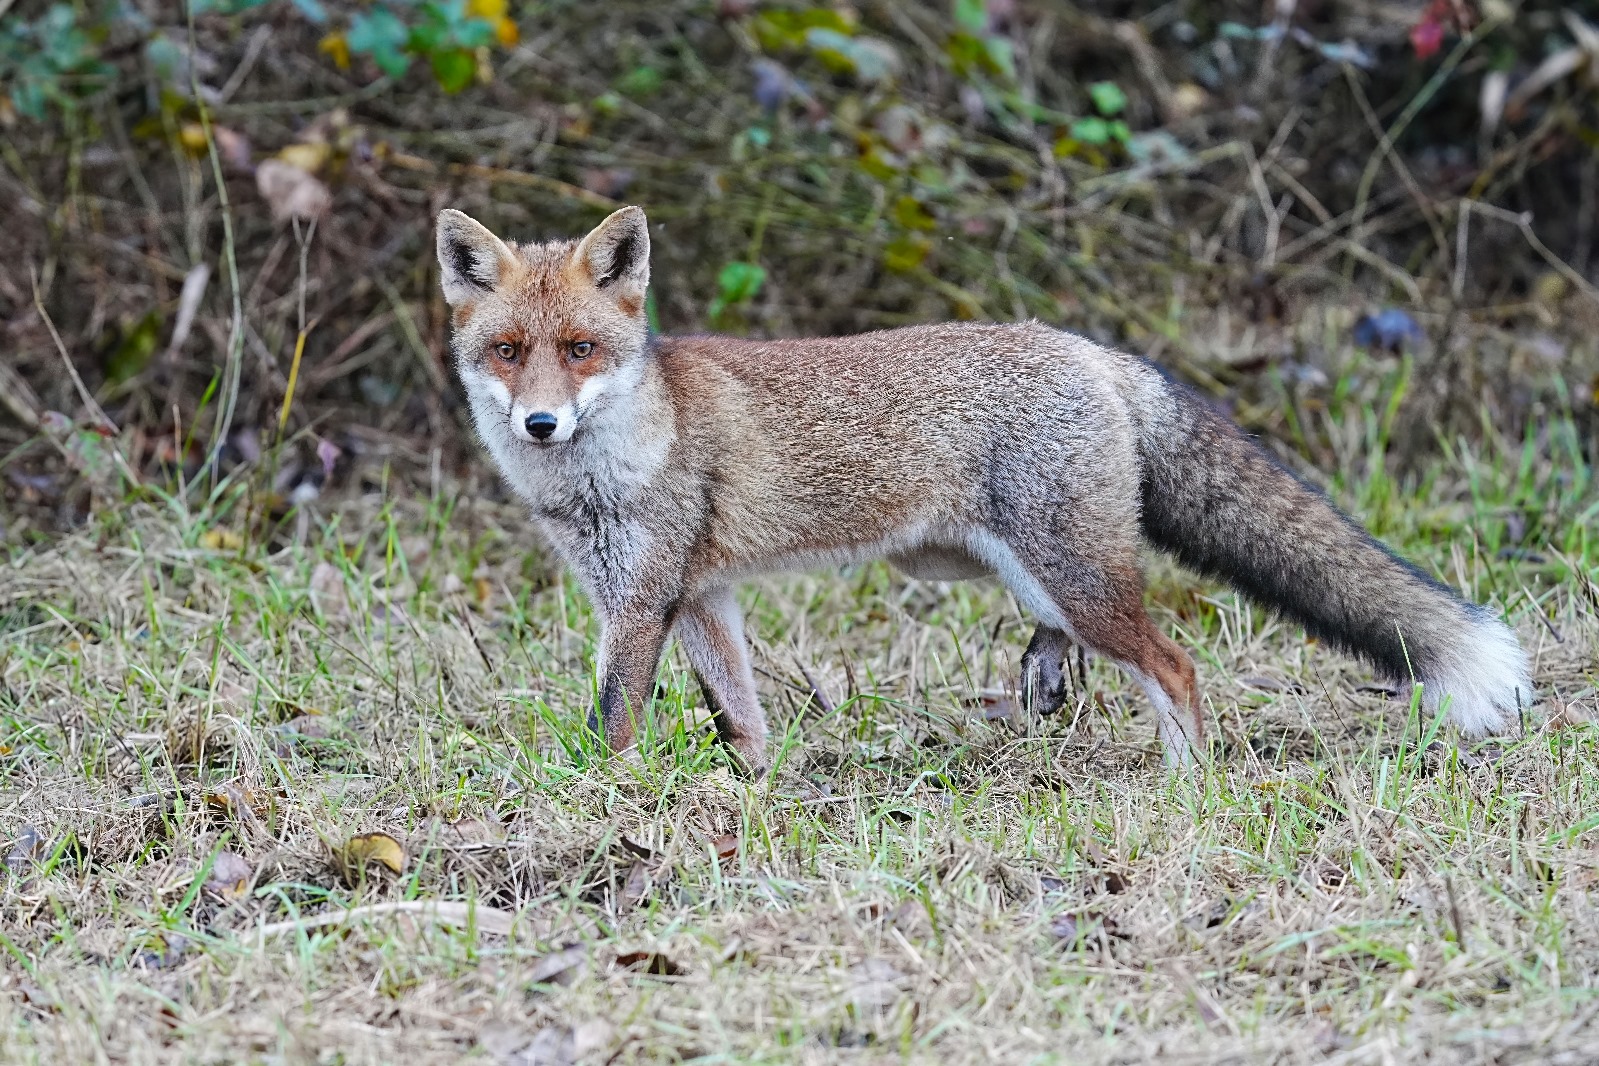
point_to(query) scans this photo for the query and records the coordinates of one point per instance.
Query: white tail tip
(1485, 679)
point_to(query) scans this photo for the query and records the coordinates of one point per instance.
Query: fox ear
(472, 261)
(616, 255)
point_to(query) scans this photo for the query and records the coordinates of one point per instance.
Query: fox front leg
(630, 652)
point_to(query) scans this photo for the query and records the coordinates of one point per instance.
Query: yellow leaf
(230, 877)
(221, 540)
(192, 137)
(1550, 289)
(307, 157)
(506, 31)
(359, 851)
(488, 9)
(231, 798)
(337, 48)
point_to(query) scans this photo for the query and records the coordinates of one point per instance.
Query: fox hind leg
(1100, 602)
(711, 630)
(1044, 682)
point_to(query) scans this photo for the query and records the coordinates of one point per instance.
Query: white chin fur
(1487, 681)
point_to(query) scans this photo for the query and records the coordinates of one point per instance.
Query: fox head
(546, 335)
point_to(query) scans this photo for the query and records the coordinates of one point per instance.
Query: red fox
(664, 470)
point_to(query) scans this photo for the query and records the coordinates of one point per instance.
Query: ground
(209, 718)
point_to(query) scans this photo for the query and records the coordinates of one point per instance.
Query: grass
(196, 717)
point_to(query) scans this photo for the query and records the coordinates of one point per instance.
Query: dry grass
(197, 714)
(924, 877)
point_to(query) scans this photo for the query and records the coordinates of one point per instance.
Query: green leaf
(1091, 130)
(1001, 57)
(640, 81)
(454, 69)
(905, 254)
(381, 35)
(779, 29)
(913, 214)
(971, 15)
(973, 54)
(132, 354)
(29, 98)
(164, 56)
(738, 282)
(1109, 100)
(313, 10)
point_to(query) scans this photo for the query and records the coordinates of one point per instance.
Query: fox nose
(540, 424)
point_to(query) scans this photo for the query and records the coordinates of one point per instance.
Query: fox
(666, 470)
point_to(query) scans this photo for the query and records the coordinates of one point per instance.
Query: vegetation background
(287, 694)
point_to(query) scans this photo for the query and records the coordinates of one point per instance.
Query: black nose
(540, 424)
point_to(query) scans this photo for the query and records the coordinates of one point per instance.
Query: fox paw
(1043, 684)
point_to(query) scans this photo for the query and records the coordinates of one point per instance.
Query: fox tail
(1218, 502)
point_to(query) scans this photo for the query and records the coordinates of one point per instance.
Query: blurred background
(1365, 228)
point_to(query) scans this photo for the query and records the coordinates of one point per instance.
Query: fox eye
(582, 350)
(505, 350)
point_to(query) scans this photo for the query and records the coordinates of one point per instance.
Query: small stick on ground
(84, 394)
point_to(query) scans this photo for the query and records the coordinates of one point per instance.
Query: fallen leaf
(161, 951)
(236, 802)
(773, 84)
(1556, 67)
(221, 540)
(229, 878)
(292, 192)
(1491, 99)
(1388, 330)
(1426, 37)
(610, 182)
(360, 851)
(559, 967)
(337, 48)
(637, 849)
(1568, 715)
(875, 984)
(551, 1046)
(1325, 874)
(911, 919)
(653, 963)
(460, 915)
(191, 135)
(1262, 683)
(310, 156)
(328, 454)
(233, 147)
(1083, 930)
(725, 845)
(503, 1041)
(327, 591)
(38, 998)
(637, 886)
(26, 851)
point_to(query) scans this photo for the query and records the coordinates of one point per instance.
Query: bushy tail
(1216, 500)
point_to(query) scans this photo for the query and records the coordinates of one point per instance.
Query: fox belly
(939, 563)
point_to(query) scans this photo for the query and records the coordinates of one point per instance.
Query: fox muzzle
(540, 424)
